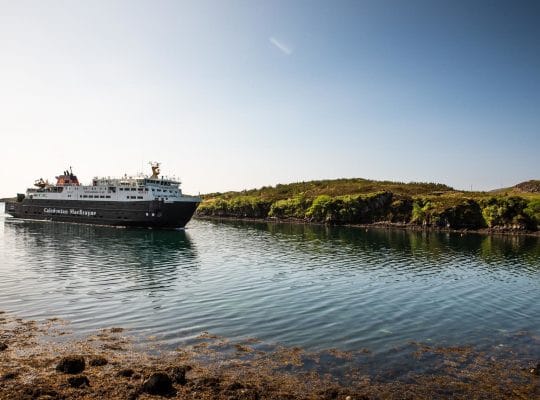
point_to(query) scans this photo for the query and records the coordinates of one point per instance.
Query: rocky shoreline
(507, 231)
(42, 360)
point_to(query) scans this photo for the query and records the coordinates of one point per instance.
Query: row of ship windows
(84, 196)
(133, 189)
(140, 190)
(146, 190)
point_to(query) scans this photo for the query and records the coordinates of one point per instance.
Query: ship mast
(155, 169)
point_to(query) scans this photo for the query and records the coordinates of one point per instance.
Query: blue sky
(232, 95)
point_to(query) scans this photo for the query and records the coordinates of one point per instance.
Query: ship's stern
(14, 207)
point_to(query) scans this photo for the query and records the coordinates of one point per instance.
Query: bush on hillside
(467, 215)
(290, 208)
(506, 211)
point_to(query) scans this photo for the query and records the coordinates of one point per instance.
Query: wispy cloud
(285, 49)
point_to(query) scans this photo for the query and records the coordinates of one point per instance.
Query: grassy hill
(527, 189)
(363, 201)
(335, 187)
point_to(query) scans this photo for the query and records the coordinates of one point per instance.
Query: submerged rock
(158, 383)
(178, 374)
(98, 361)
(71, 365)
(133, 395)
(206, 383)
(40, 392)
(78, 381)
(125, 373)
(235, 386)
(8, 376)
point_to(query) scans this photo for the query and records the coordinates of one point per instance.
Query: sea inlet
(374, 291)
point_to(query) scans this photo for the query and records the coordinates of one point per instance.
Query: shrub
(290, 208)
(467, 214)
(319, 209)
(503, 211)
(421, 211)
(533, 212)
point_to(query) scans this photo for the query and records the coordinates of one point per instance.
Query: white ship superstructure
(114, 189)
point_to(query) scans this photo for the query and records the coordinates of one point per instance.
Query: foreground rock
(8, 376)
(40, 392)
(98, 361)
(159, 383)
(71, 365)
(78, 381)
(125, 373)
(178, 374)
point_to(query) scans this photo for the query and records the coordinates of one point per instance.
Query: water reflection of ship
(149, 259)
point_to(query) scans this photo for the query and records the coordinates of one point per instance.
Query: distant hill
(532, 186)
(336, 187)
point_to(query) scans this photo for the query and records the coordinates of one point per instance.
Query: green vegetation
(362, 201)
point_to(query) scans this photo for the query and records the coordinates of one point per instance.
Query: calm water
(306, 286)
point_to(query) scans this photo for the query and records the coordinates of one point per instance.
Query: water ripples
(312, 286)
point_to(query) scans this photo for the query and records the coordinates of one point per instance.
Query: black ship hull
(146, 214)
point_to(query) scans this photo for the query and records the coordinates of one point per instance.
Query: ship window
(85, 196)
(108, 197)
(101, 197)
(133, 189)
(139, 197)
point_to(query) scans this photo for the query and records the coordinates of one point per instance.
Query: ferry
(143, 201)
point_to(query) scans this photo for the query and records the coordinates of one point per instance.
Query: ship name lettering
(72, 211)
(55, 211)
(86, 213)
